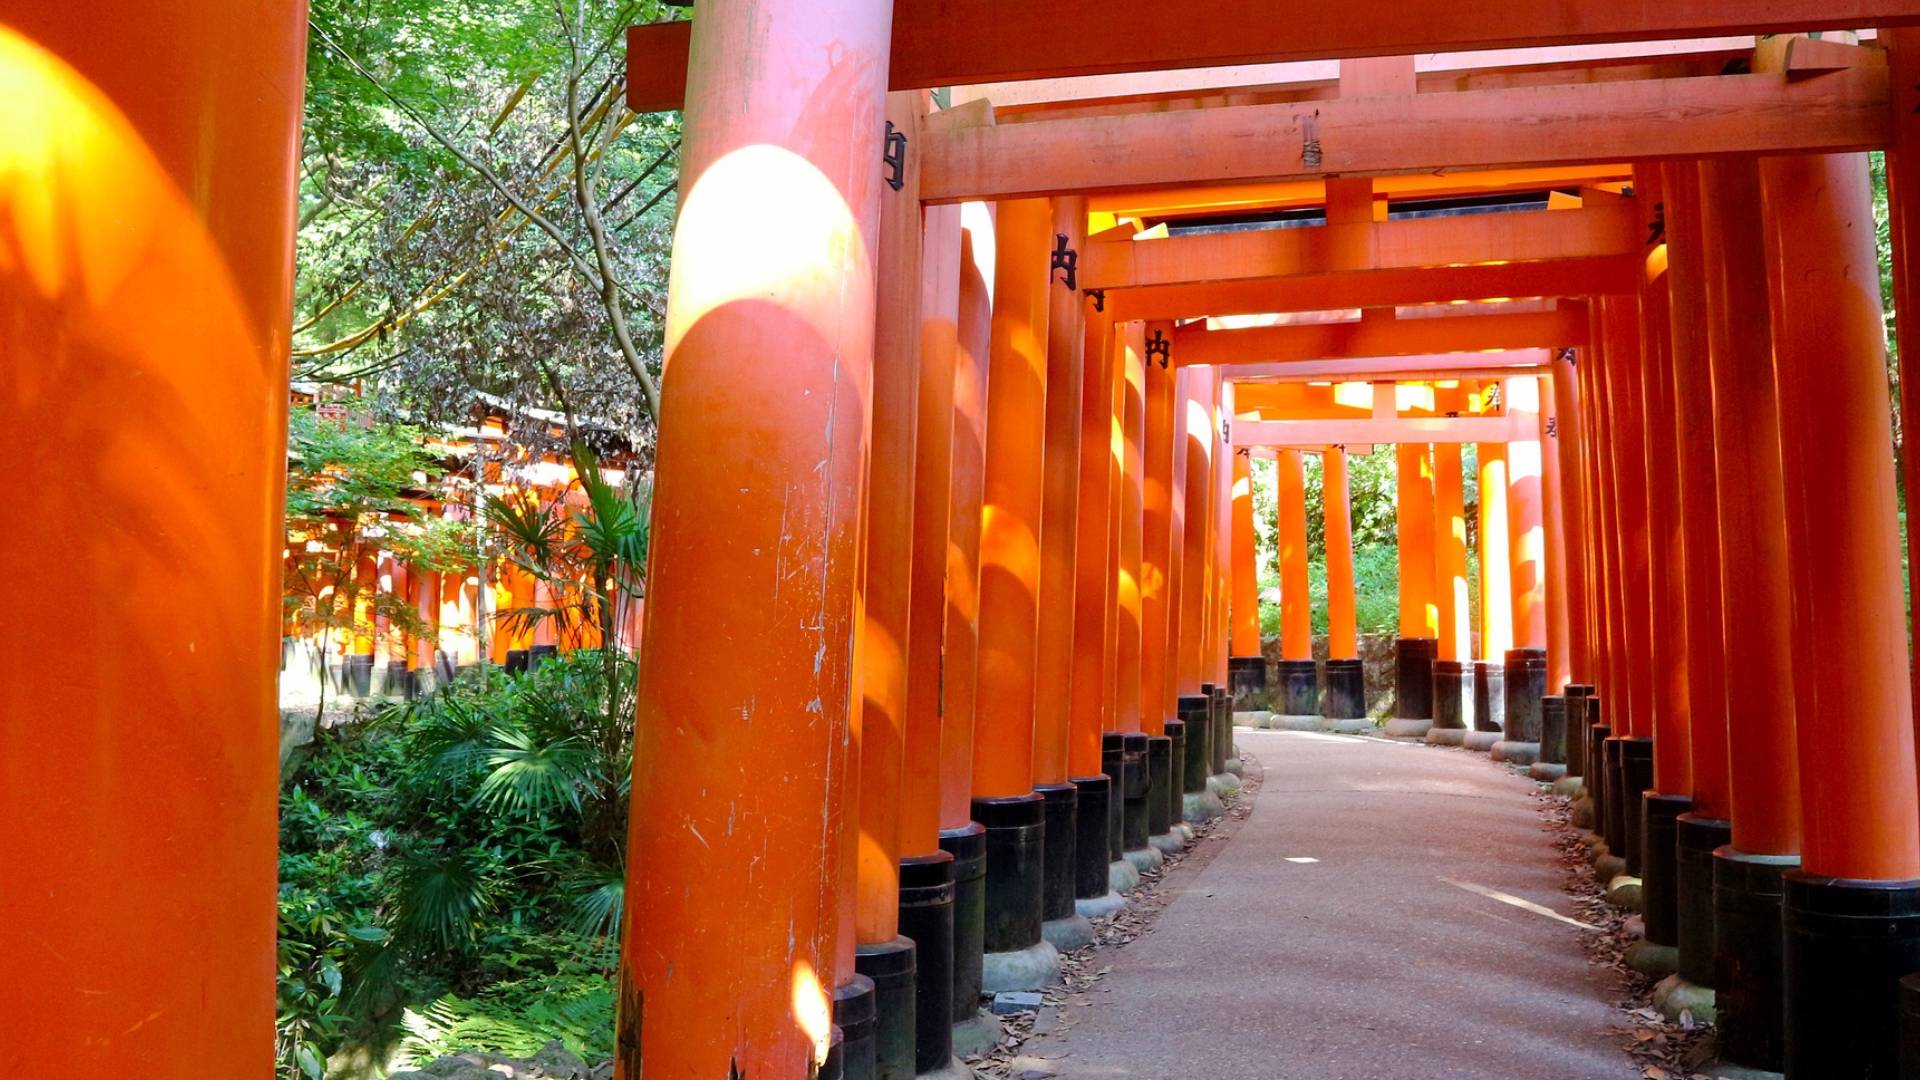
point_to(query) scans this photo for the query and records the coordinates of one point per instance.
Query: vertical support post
(1414, 651)
(788, 348)
(961, 836)
(1633, 727)
(1130, 672)
(1854, 702)
(1763, 796)
(926, 871)
(1496, 598)
(1570, 443)
(1248, 665)
(1346, 694)
(1062, 925)
(136, 188)
(1017, 958)
(1553, 532)
(1156, 529)
(1196, 429)
(1703, 826)
(1524, 675)
(1451, 701)
(1093, 618)
(1299, 692)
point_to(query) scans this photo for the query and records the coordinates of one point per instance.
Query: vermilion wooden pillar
(1553, 484)
(1296, 609)
(1343, 638)
(1450, 544)
(927, 888)
(1526, 528)
(1862, 840)
(1621, 323)
(1414, 651)
(1192, 640)
(146, 254)
(752, 591)
(1903, 208)
(879, 725)
(1053, 676)
(1570, 441)
(1496, 593)
(1095, 553)
(1003, 750)
(1156, 528)
(960, 835)
(1127, 610)
(1763, 791)
(1249, 667)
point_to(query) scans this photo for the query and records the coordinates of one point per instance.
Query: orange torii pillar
(1702, 825)
(752, 611)
(1246, 664)
(1098, 823)
(1129, 653)
(1558, 695)
(1414, 651)
(1567, 440)
(1451, 702)
(1524, 678)
(960, 836)
(146, 255)
(1297, 698)
(926, 871)
(1192, 738)
(1156, 571)
(1220, 733)
(1496, 597)
(1612, 698)
(1631, 744)
(1763, 792)
(1346, 691)
(1121, 876)
(879, 724)
(1600, 692)
(1669, 794)
(1062, 925)
(1017, 956)
(1852, 913)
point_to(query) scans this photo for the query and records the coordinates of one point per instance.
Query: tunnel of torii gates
(949, 569)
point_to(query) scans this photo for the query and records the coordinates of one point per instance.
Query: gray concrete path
(1367, 922)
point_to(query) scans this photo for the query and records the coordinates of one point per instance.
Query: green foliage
(464, 850)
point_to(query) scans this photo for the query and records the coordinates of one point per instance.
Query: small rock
(1009, 1002)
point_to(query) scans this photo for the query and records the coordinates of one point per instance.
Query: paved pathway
(1345, 932)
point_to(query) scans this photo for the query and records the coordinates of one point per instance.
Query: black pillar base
(1660, 865)
(1061, 817)
(926, 918)
(1220, 745)
(1176, 772)
(1524, 685)
(1134, 792)
(1553, 730)
(1113, 763)
(1596, 776)
(1451, 698)
(1847, 945)
(1299, 688)
(359, 673)
(968, 846)
(1577, 723)
(1696, 839)
(1413, 678)
(1636, 777)
(1090, 856)
(540, 654)
(1016, 869)
(1346, 694)
(1246, 677)
(890, 964)
(1159, 783)
(1195, 712)
(854, 1013)
(835, 1065)
(1615, 780)
(1749, 996)
(1489, 695)
(516, 662)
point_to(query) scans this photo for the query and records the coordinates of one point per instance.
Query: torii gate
(143, 187)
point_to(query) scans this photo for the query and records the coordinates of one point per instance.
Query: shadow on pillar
(1525, 683)
(1452, 703)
